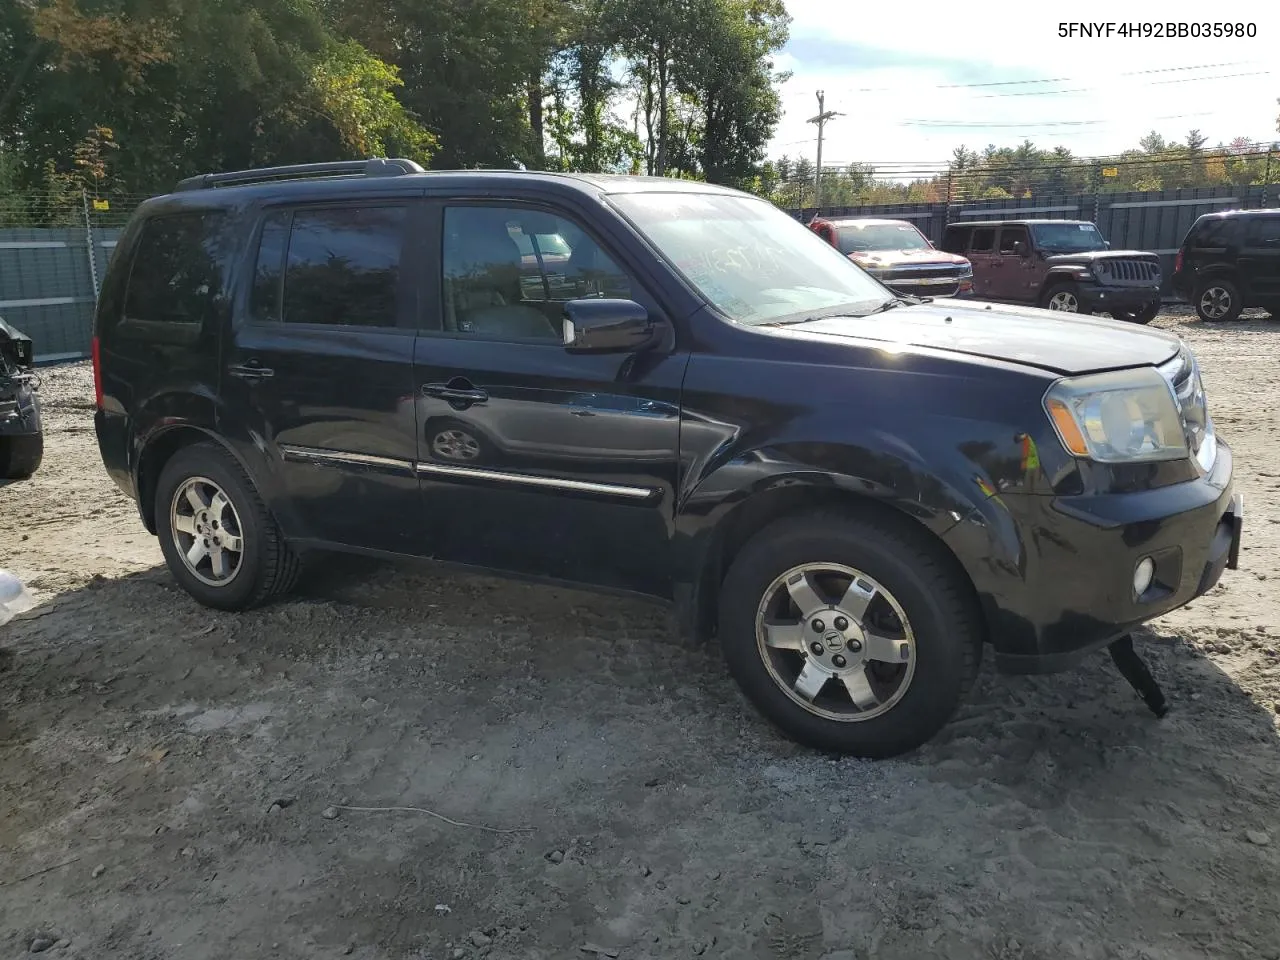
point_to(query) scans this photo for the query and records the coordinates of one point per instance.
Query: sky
(916, 79)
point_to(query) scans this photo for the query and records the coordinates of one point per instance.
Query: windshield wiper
(896, 302)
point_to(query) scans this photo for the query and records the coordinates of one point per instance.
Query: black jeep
(1058, 265)
(709, 407)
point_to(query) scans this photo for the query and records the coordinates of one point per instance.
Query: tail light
(1177, 262)
(97, 373)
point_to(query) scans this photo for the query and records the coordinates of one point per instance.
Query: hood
(1089, 256)
(1048, 339)
(897, 258)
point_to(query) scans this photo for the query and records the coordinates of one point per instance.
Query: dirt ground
(175, 773)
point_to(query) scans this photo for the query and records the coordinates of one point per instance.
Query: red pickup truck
(898, 255)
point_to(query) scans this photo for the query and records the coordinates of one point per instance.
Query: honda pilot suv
(1059, 265)
(1229, 261)
(710, 407)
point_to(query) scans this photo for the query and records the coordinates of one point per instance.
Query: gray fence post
(88, 239)
(1266, 177)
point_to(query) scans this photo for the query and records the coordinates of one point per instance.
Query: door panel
(323, 373)
(532, 459)
(1012, 281)
(1260, 257)
(986, 264)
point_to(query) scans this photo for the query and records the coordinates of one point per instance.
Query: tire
(1217, 300)
(21, 456)
(910, 577)
(1064, 293)
(266, 565)
(1143, 316)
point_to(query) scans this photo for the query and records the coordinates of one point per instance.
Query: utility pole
(821, 120)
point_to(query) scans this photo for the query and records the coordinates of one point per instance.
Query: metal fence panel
(46, 289)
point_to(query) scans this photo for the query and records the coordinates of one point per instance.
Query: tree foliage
(1027, 171)
(126, 96)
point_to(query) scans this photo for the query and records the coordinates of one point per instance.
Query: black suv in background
(1229, 261)
(1058, 265)
(21, 433)
(707, 405)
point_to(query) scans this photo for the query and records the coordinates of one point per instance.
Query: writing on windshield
(747, 257)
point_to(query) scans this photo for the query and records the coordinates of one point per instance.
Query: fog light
(1142, 575)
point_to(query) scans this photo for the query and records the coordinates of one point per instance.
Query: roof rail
(375, 167)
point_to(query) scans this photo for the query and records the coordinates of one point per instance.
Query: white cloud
(906, 52)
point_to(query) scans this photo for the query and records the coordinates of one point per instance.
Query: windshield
(1068, 237)
(749, 259)
(861, 238)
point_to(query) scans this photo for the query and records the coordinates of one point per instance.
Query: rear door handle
(455, 392)
(251, 370)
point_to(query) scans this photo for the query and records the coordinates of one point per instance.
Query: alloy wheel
(207, 531)
(836, 641)
(455, 445)
(1215, 302)
(1064, 300)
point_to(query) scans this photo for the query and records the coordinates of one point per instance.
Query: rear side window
(336, 266)
(1216, 232)
(180, 267)
(984, 239)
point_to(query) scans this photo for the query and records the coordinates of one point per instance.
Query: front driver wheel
(1061, 296)
(851, 635)
(219, 540)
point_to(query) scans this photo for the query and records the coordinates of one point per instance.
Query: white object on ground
(14, 598)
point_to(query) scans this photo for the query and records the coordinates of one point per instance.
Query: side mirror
(1020, 248)
(608, 326)
(1106, 244)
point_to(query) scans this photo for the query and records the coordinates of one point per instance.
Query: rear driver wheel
(851, 635)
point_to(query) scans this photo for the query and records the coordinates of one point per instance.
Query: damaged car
(21, 435)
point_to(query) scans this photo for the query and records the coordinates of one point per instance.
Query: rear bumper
(113, 445)
(1058, 582)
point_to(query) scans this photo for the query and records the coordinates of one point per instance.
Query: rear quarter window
(956, 239)
(1214, 232)
(179, 273)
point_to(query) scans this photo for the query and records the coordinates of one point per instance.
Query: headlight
(1126, 416)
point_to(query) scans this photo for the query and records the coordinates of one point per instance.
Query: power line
(1013, 83)
(982, 125)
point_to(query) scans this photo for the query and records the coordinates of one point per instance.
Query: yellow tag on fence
(101, 205)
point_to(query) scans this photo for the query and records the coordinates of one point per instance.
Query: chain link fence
(53, 251)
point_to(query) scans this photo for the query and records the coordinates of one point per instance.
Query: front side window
(1068, 237)
(863, 238)
(1010, 236)
(508, 271)
(1263, 232)
(179, 272)
(754, 263)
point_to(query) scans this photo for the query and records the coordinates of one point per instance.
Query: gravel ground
(198, 785)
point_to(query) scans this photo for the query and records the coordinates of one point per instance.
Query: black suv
(1230, 261)
(707, 405)
(1058, 265)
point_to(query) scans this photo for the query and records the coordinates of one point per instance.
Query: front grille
(1123, 270)
(1183, 374)
(946, 288)
(912, 273)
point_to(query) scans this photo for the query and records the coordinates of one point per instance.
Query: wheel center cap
(834, 641)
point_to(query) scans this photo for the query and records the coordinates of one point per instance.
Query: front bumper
(1117, 298)
(1066, 587)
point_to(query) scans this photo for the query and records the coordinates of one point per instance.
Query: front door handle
(455, 391)
(251, 370)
